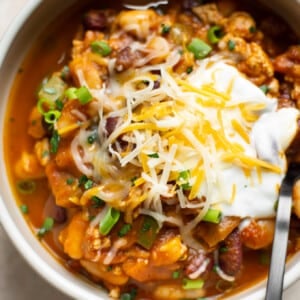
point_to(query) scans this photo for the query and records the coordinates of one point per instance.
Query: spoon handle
(279, 248)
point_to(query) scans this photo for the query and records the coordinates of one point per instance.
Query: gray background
(17, 280)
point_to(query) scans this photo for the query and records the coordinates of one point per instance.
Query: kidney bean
(231, 258)
(111, 124)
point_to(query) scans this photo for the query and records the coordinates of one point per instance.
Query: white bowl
(13, 48)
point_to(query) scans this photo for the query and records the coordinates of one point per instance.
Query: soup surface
(152, 142)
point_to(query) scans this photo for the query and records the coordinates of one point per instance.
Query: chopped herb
(85, 182)
(124, 230)
(54, 142)
(52, 116)
(92, 138)
(97, 202)
(183, 180)
(83, 95)
(213, 216)
(176, 274)
(24, 208)
(189, 70)
(26, 187)
(110, 219)
(153, 155)
(46, 227)
(70, 93)
(199, 48)
(252, 29)
(231, 45)
(59, 105)
(276, 205)
(129, 296)
(264, 88)
(147, 232)
(223, 249)
(101, 47)
(214, 34)
(165, 29)
(70, 181)
(189, 284)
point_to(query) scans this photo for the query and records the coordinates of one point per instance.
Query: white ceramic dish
(13, 48)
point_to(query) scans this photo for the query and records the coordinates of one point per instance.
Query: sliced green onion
(231, 45)
(190, 284)
(214, 34)
(92, 138)
(70, 93)
(46, 227)
(124, 230)
(189, 70)
(101, 47)
(109, 220)
(70, 181)
(153, 155)
(45, 105)
(97, 202)
(59, 105)
(183, 180)
(26, 187)
(83, 95)
(264, 88)
(24, 209)
(129, 296)
(252, 29)
(165, 29)
(212, 216)
(199, 48)
(176, 274)
(85, 182)
(52, 116)
(223, 249)
(133, 179)
(89, 184)
(147, 232)
(54, 142)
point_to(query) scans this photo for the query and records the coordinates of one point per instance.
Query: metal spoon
(279, 248)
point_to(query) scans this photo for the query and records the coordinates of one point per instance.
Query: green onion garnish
(129, 296)
(92, 138)
(46, 227)
(165, 29)
(109, 220)
(85, 182)
(124, 230)
(252, 29)
(101, 47)
(212, 216)
(264, 88)
(54, 142)
(189, 70)
(70, 93)
(153, 155)
(24, 209)
(26, 187)
(189, 284)
(223, 249)
(176, 274)
(147, 232)
(97, 202)
(52, 116)
(70, 181)
(214, 34)
(183, 180)
(231, 45)
(45, 105)
(59, 105)
(83, 95)
(199, 48)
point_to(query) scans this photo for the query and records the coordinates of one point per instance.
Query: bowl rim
(24, 247)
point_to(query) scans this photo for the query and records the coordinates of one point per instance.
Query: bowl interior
(13, 49)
